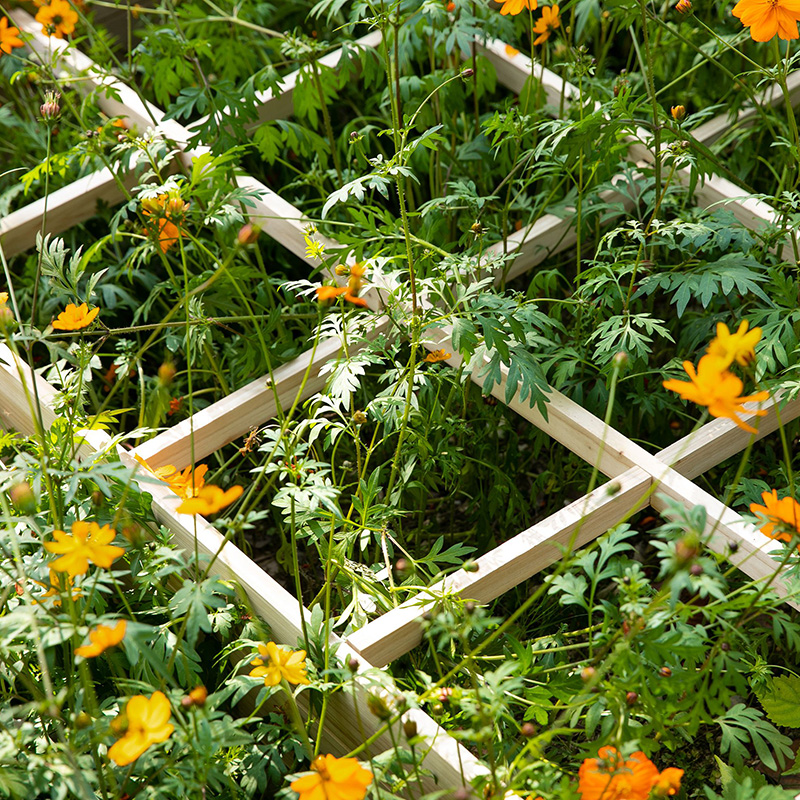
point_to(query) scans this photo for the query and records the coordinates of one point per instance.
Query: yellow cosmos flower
(55, 585)
(87, 542)
(333, 779)
(209, 500)
(9, 39)
(169, 213)
(101, 638)
(148, 723)
(58, 18)
(437, 355)
(162, 473)
(546, 24)
(718, 389)
(74, 317)
(515, 7)
(289, 664)
(188, 483)
(765, 18)
(783, 515)
(740, 346)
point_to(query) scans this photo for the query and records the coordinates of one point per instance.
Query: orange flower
(333, 779)
(289, 664)
(437, 355)
(148, 723)
(9, 39)
(209, 500)
(668, 783)
(73, 318)
(162, 473)
(87, 542)
(740, 346)
(546, 24)
(102, 637)
(765, 18)
(58, 18)
(781, 514)
(718, 389)
(511, 51)
(326, 293)
(515, 7)
(169, 212)
(56, 584)
(611, 777)
(189, 482)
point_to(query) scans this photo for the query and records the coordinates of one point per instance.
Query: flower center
(58, 19)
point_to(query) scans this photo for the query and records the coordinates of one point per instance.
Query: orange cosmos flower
(668, 783)
(333, 779)
(611, 777)
(781, 514)
(162, 473)
(287, 664)
(209, 500)
(73, 318)
(189, 482)
(511, 51)
(56, 584)
(546, 24)
(437, 355)
(765, 18)
(326, 293)
(87, 542)
(740, 346)
(58, 18)
(148, 723)
(170, 213)
(9, 39)
(718, 389)
(102, 637)
(515, 7)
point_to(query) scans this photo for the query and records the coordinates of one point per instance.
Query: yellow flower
(56, 584)
(437, 355)
(102, 637)
(515, 7)
(209, 500)
(162, 473)
(326, 293)
(289, 664)
(9, 39)
(718, 389)
(170, 212)
(765, 18)
(58, 18)
(511, 51)
(148, 723)
(188, 483)
(74, 317)
(87, 542)
(678, 113)
(333, 779)
(739, 346)
(546, 24)
(3, 295)
(668, 783)
(781, 514)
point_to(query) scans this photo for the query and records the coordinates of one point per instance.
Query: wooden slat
(349, 723)
(529, 552)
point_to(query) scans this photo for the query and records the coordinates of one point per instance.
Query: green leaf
(782, 701)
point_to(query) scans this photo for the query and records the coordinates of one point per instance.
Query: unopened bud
(613, 487)
(678, 113)
(683, 6)
(97, 498)
(588, 674)
(528, 729)
(378, 707)
(166, 372)
(50, 109)
(468, 72)
(470, 566)
(470, 607)
(696, 569)
(359, 417)
(82, 720)
(621, 360)
(22, 497)
(353, 664)
(401, 567)
(631, 698)
(248, 234)
(665, 672)
(197, 697)
(410, 728)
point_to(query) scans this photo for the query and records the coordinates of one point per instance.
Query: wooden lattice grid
(640, 478)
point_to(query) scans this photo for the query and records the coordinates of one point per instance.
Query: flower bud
(470, 566)
(50, 109)
(468, 72)
(528, 730)
(696, 569)
(621, 360)
(470, 606)
(197, 697)
(248, 234)
(725, 647)
(678, 113)
(410, 728)
(378, 707)
(97, 498)
(665, 672)
(359, 417)
(631, 698)
(588, 674)
(683, 6)
(82, 720)
(166, 372)
(23, 498)
(401, 567)
(353, 664)
(613, 487)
